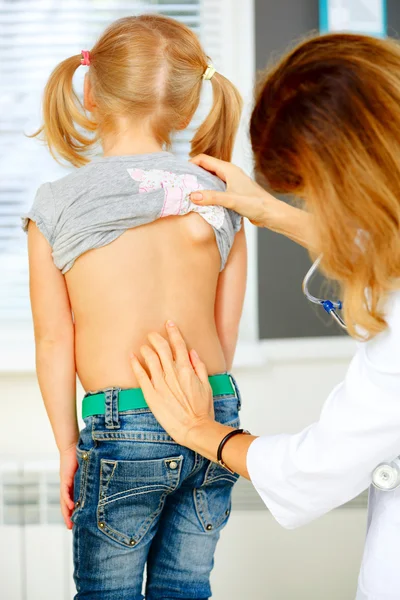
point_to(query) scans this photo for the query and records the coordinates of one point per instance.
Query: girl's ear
(88, 100)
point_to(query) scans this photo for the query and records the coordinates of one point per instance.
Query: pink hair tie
(85, 60)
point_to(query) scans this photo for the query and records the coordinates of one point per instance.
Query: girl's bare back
(165, 270)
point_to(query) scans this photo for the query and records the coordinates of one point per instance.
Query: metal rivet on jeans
(209, 527)
(85, 456)
(132, 543)
(227, 512)
(77, 503)
(173, 465)
(101, 525)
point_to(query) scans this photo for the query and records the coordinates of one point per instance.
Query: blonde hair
(141, 67)
(326, 127)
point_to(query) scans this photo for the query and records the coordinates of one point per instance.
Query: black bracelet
(230, 435)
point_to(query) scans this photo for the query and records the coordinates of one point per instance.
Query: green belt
(133, 398)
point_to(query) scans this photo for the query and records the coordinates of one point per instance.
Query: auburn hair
(326, 128)
(146, 67)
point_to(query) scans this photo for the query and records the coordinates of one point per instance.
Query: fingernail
(195, 355)
(132, 356)
(196, 196)
(170, 324)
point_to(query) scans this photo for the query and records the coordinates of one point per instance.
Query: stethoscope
(386, 476)
(330, 306)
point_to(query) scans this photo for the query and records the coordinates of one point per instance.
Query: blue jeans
(144, 501)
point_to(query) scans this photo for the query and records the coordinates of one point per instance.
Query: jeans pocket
(132, 495)
(213, 498)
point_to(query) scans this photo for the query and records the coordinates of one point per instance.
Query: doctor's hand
(178, 391)
(180, 397)
(250, 200)
(242, 194)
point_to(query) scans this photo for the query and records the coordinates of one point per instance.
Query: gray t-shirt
(94, 205)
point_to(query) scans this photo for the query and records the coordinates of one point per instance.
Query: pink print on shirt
(177, 190)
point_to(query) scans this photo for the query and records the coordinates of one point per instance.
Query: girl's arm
(230, 297)
(55, 355)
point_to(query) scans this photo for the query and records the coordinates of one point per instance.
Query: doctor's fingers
(163, 349)
(213, 198)
(178, 346)
(154, 367)
(199, 367)
(142, 377)
(251, 206)
(220, 167)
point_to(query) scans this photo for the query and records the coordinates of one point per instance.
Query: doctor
(325, 128)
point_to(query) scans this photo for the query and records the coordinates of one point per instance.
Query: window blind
(34, 36)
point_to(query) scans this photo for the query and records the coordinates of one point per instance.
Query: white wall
(256, 558)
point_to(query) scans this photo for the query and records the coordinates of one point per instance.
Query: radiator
(35, 546)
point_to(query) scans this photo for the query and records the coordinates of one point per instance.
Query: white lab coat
(302, 476)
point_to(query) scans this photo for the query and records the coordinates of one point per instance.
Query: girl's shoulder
(162, 167)
(42, 212)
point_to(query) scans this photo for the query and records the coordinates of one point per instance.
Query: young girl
(106, 267)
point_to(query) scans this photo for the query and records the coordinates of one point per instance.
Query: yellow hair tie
(209, 72)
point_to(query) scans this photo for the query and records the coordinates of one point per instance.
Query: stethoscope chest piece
(386, 476)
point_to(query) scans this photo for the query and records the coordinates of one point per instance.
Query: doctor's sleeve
(303, 476)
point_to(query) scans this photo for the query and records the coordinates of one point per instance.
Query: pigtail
(64, 116)
(216, 136)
